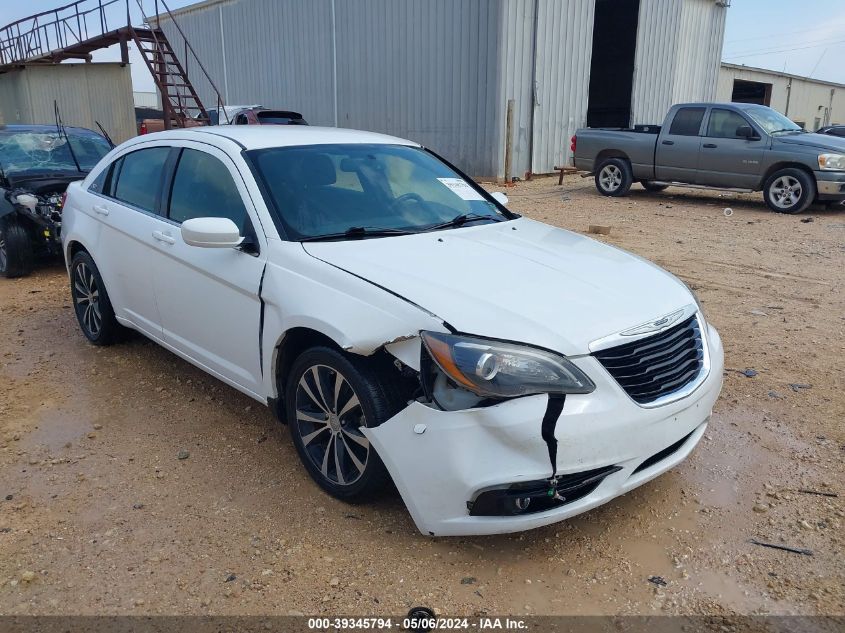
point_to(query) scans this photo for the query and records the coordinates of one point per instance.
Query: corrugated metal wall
(556, 87)
(654, 64)
(564, 54)
(679, 49)
(419, 69)
(442, 71)
(85, 93)
(699, 51)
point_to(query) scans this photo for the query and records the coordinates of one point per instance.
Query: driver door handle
(163, 237)
(668, 142)
(710, 145)
(98, 208)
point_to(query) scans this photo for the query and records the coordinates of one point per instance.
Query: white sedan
(407, 326)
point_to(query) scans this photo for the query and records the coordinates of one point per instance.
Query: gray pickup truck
(735, 146)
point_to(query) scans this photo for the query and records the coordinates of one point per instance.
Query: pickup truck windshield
(771, 121)
(48, 151)
(362, 190)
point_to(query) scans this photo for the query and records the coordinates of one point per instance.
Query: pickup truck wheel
(613, 177)
(91, 302)
(329, 398)
(649, 185)
(789, 191)
(15, 249)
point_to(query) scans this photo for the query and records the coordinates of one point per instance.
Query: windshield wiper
(788, 129)
(357, 232)
(460, 220)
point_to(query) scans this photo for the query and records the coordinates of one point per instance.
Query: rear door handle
(668, 142)
(163, 237)
(710, 145)
(98, 208)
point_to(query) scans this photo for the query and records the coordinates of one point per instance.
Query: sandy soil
(98, 514)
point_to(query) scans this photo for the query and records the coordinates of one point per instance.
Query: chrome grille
(657, 366)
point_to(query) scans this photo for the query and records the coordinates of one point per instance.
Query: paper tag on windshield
(461, 188)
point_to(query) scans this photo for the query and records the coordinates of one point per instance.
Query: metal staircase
(74, 30)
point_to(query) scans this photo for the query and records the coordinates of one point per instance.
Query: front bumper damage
(442, 461)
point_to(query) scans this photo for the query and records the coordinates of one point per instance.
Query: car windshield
(329, 190)
(45, 151)
(771, 121)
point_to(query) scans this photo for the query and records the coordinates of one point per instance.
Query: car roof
(260, 137)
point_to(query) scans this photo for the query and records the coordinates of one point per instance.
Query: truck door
(676, 158)
(727, 159)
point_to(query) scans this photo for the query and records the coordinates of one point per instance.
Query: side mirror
(211, 233)
(500, 197)
(746, 132)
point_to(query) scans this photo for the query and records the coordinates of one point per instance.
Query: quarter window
(139, 177)
(100, 184)
(202, 188)
(687, 122)
(723, 123)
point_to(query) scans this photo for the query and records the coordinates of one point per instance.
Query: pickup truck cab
(735, 146)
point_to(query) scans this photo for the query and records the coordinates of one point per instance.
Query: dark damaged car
(37, 163)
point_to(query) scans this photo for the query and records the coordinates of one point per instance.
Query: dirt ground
(98, 515)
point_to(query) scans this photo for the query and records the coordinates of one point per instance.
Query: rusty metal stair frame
(178, 96)
(177, 92)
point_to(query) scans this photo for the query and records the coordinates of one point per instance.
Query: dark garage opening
(612, 68)
(751, 92)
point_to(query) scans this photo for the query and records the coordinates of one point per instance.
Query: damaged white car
(503, 373)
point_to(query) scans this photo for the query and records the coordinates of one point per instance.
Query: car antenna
(106, 134)
(61, 129)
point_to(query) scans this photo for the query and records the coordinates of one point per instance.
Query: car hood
(519, 281)
(818, 141)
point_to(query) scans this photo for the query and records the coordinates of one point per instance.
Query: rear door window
(138, 178)
(687, 122)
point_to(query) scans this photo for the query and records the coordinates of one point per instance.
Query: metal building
(489, 84)
(811, 103)
(86, 94)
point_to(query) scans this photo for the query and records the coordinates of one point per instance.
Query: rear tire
(16, 255)
(654, 187)
(613, 177)
(329, 396)
(789, 190)
(91, 302)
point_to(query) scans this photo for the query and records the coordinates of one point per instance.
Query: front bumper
(830, 185)
(440, 460)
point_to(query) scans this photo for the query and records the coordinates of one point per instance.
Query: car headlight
(832, 162)
(503, 370)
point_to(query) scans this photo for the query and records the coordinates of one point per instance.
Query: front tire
(91, 302)
(789, 191)
(613, 177)
(328, 399)
(15, 249)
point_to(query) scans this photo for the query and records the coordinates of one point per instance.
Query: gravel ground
(134, 483)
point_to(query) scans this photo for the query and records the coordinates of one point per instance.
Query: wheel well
(72, 249)
(295, 341)
(778, 166)
(610, 153)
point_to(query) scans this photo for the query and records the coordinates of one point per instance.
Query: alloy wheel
(87, 296)
(786, 192)
(610, 177)
(329, 419)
